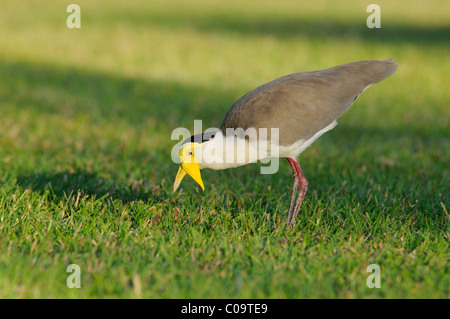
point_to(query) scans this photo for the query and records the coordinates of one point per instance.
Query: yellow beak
(193, 169)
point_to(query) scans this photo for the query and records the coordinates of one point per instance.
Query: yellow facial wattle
(189, 165)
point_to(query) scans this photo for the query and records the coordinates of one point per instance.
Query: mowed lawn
(86, 176)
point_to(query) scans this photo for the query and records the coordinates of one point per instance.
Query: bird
(297, 109)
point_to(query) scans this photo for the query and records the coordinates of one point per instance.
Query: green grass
(86, 176)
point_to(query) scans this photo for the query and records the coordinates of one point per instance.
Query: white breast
(223, 152)
(298, 147)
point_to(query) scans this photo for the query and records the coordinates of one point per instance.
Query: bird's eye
(190, 153)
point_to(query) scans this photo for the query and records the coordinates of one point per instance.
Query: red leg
(302, 191)
(294, 187)
(299, 178)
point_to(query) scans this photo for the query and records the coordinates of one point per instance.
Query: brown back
(301, 104)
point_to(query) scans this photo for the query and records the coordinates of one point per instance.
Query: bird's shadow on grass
(65, 184)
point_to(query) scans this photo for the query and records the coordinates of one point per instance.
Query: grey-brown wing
(302, 104)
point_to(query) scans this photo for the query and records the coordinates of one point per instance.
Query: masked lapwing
(288, 114)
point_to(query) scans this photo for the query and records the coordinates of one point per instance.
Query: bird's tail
(367, 72)
(379, 70)
(390, 66)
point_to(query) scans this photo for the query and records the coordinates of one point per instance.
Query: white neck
(222, 152)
